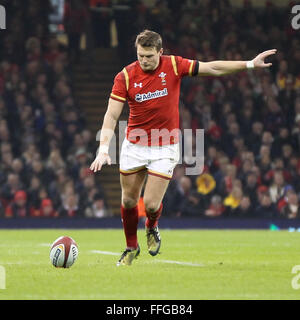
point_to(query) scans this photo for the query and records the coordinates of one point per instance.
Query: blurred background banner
(58, 60)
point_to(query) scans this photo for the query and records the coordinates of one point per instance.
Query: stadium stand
(251, 119)
(46, 147)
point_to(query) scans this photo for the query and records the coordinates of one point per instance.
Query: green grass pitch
(193, 265)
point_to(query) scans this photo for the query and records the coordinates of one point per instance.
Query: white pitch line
(106, 252)
(190, 264)
(180, 263)
(45, 244)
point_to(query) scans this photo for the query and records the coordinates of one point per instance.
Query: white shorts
(158, 160)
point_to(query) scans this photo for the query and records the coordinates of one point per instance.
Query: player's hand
(100, 160)
(259, 60)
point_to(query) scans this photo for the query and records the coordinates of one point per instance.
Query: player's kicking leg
(155, 189)
(131, 184)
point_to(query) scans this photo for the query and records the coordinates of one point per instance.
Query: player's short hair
(149, 39)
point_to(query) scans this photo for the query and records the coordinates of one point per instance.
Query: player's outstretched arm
(221, 68)
(108, 128)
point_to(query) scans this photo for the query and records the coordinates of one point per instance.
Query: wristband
(250, 64)
(103, 148)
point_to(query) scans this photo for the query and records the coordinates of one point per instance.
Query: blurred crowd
(45, 147)
(251, 119)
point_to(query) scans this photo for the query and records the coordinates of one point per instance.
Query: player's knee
(129, 202)
(151, 206)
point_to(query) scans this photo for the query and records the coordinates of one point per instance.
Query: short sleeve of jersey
(119, 91)
(186, 67)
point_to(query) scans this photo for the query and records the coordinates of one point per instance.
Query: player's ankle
(131, 248)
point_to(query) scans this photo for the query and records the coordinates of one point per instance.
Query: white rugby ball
(63, 252)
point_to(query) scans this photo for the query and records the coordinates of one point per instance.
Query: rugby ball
(63, 252)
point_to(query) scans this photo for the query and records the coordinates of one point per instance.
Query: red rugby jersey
(153, 99)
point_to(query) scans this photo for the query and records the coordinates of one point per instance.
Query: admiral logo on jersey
(140, 97)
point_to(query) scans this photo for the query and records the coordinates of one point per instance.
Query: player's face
(148, 57)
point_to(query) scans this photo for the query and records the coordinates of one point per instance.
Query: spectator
(245, 208)
(33, 192)
(9, 189)
(97, 209)
(70, 207)
(277, 188)
(265, 159)
(246, 168)
(251, 187)
(287, 152)
(55, 161)
(177, 196)
(211, 159)
(43, 194)
(191, 206)
(227, 183)
(68, 190)
(31, 153)
(42, 173)
(80, 159)
(216, 207)
(57, 186)
(292, 209)
(220, 174)
(19, 207)
(47, 210)
(87, 140)
(282, 138)
(254, 139)
(89, 183)
(274, 118)
(232, 201)
(17, 167)
(266, 209)
(183, 189)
